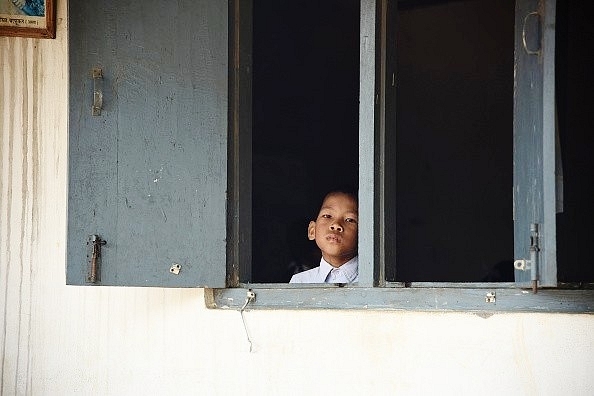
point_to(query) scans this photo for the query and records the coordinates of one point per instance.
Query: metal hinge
(531, 264)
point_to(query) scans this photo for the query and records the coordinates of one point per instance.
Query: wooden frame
(486, 300)
(28, 18)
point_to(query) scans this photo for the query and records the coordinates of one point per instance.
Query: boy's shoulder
(309, 276)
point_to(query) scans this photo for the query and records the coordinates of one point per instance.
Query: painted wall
(58, 339)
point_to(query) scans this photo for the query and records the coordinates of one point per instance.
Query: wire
(251, 296)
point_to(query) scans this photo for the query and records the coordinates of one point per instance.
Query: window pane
(305, 124)
(453, 142)
(574, 67)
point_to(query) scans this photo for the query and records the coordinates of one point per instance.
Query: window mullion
(367, 153)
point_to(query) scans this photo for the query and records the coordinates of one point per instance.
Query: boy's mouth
(333, 238)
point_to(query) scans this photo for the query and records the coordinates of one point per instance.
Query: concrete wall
(58, 339)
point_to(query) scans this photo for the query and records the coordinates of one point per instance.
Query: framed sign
(28, 18)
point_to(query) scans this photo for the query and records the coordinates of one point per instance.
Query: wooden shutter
(534, 139)
(149, 173)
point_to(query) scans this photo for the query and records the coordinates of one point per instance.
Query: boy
(335, 231)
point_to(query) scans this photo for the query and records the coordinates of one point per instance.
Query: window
(502, 133)
(164, 174)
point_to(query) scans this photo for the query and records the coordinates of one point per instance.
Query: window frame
(372, 291)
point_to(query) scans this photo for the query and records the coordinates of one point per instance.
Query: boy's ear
(311, 231)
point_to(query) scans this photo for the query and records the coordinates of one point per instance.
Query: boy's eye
(326, 216)
(350, 220)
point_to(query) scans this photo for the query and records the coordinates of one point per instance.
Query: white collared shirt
(325, 273)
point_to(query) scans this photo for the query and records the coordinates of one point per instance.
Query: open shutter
(147, 165)
(534, 143)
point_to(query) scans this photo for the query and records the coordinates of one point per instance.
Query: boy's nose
(336, 227)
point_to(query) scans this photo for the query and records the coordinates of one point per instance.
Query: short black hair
(341, 189)
(347, 189)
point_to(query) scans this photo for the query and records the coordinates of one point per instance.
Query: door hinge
(531, 264)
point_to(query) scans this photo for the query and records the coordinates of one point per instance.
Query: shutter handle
(529, 51)
(97, 74)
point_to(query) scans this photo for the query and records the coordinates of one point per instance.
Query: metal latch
(97, 75)
(532, 263)
(97, 242)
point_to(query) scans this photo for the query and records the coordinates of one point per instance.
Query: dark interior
(305, 124)
(573, 72)
(454, 142)
(452, 137)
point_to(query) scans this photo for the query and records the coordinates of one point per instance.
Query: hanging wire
(249, 298)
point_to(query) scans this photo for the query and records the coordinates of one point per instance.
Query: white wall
(58, 339)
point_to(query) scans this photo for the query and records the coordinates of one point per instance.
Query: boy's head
(335, 229)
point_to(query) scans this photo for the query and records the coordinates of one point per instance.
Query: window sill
(433, 299)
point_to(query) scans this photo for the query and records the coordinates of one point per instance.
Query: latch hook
(532, 263)
(95, 258)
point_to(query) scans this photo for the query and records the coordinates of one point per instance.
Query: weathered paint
(534, 139)
(161, 136)
(463, 298)
(58, 339)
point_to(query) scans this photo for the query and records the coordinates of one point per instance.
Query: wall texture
(58, 339)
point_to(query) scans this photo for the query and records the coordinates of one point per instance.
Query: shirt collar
(350, 270)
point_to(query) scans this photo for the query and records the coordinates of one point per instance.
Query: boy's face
(336, 229)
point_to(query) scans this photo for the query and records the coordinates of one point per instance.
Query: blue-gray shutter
(149, 174)
(534, 138)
